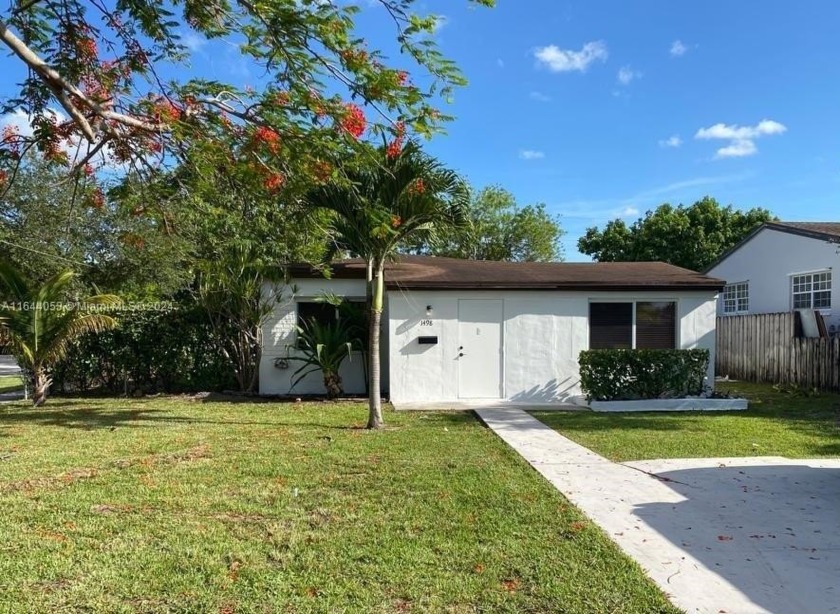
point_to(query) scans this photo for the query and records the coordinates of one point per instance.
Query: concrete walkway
(717, 535)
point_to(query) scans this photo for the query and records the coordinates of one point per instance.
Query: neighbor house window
(812, 291)
(641, 324)
(736, 298)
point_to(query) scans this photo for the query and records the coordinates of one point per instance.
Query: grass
(776, 424)
(10, 383)
(169, 504)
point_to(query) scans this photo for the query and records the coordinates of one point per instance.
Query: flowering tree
(93, 81)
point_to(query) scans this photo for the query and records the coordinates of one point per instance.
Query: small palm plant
(37, 325)
(324, 347)
(403, 196)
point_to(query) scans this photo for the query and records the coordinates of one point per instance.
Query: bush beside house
(173, 350)
(624, 375)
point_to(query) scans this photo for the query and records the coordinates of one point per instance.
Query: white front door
(480, 351)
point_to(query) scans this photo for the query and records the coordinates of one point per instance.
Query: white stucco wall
(279, 338)
(767, 262)
(543, 334)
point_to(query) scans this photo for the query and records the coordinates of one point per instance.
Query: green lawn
(10, 383)
(776, 424)
(164, 505)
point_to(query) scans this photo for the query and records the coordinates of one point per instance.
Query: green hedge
(624, 375)
(150, 351)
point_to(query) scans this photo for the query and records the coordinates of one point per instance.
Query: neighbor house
(782, 266)
(466, 331)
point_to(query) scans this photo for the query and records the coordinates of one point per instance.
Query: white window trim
(823, 310)
(739, 312)
(827, 269)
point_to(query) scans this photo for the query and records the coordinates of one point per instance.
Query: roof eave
(577, 287)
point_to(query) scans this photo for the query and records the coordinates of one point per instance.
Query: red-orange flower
(396, 221)
(268, 137)
(274, 182)
(354, 121)
(97, 199)
(418, 187)
(86, 47)
(9, 132)
(394, 148)
(322, 170)
(166, 111)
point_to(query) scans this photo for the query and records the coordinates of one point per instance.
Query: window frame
(633, 302)
(313, 299)
(811, 292)
(738, 311)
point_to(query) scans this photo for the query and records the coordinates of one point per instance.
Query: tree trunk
(375, 420)
(41, 385)
(332, 382)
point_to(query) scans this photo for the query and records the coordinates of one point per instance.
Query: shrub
(623, 375)
(173, 350)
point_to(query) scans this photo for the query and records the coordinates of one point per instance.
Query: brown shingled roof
(825, 229)
(431, 273)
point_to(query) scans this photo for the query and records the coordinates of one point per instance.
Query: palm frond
(13, 283)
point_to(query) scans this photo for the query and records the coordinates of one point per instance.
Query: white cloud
(742, 138)
(678, 49)
(627, 75)
(17, 120)
(629, 212)
(539, 97)
(192, 41)
(672, 142)
(568, 60)
(738, 149)
(531, 154)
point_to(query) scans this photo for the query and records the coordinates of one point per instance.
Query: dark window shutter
(656, 326)
(610, 326)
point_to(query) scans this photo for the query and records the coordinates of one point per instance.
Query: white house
(463, 331)
(782, 266)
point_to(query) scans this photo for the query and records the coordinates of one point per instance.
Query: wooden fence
(764, 348)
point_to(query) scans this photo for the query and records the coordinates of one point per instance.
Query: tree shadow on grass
(75, 415)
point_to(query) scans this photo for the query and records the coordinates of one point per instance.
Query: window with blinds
(656, 326)
(612, 325)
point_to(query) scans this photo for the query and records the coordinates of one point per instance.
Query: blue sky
(591, 107)
(604, 109)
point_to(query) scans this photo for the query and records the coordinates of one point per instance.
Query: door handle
(460, 354)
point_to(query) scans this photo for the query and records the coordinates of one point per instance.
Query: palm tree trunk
(375, 420)
(41, 385)
(332, 383)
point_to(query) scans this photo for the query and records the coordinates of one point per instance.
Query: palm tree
(37, 325)
(398, 198)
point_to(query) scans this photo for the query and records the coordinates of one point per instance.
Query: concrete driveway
(8, 366)
(768, 526)
(730, 536)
